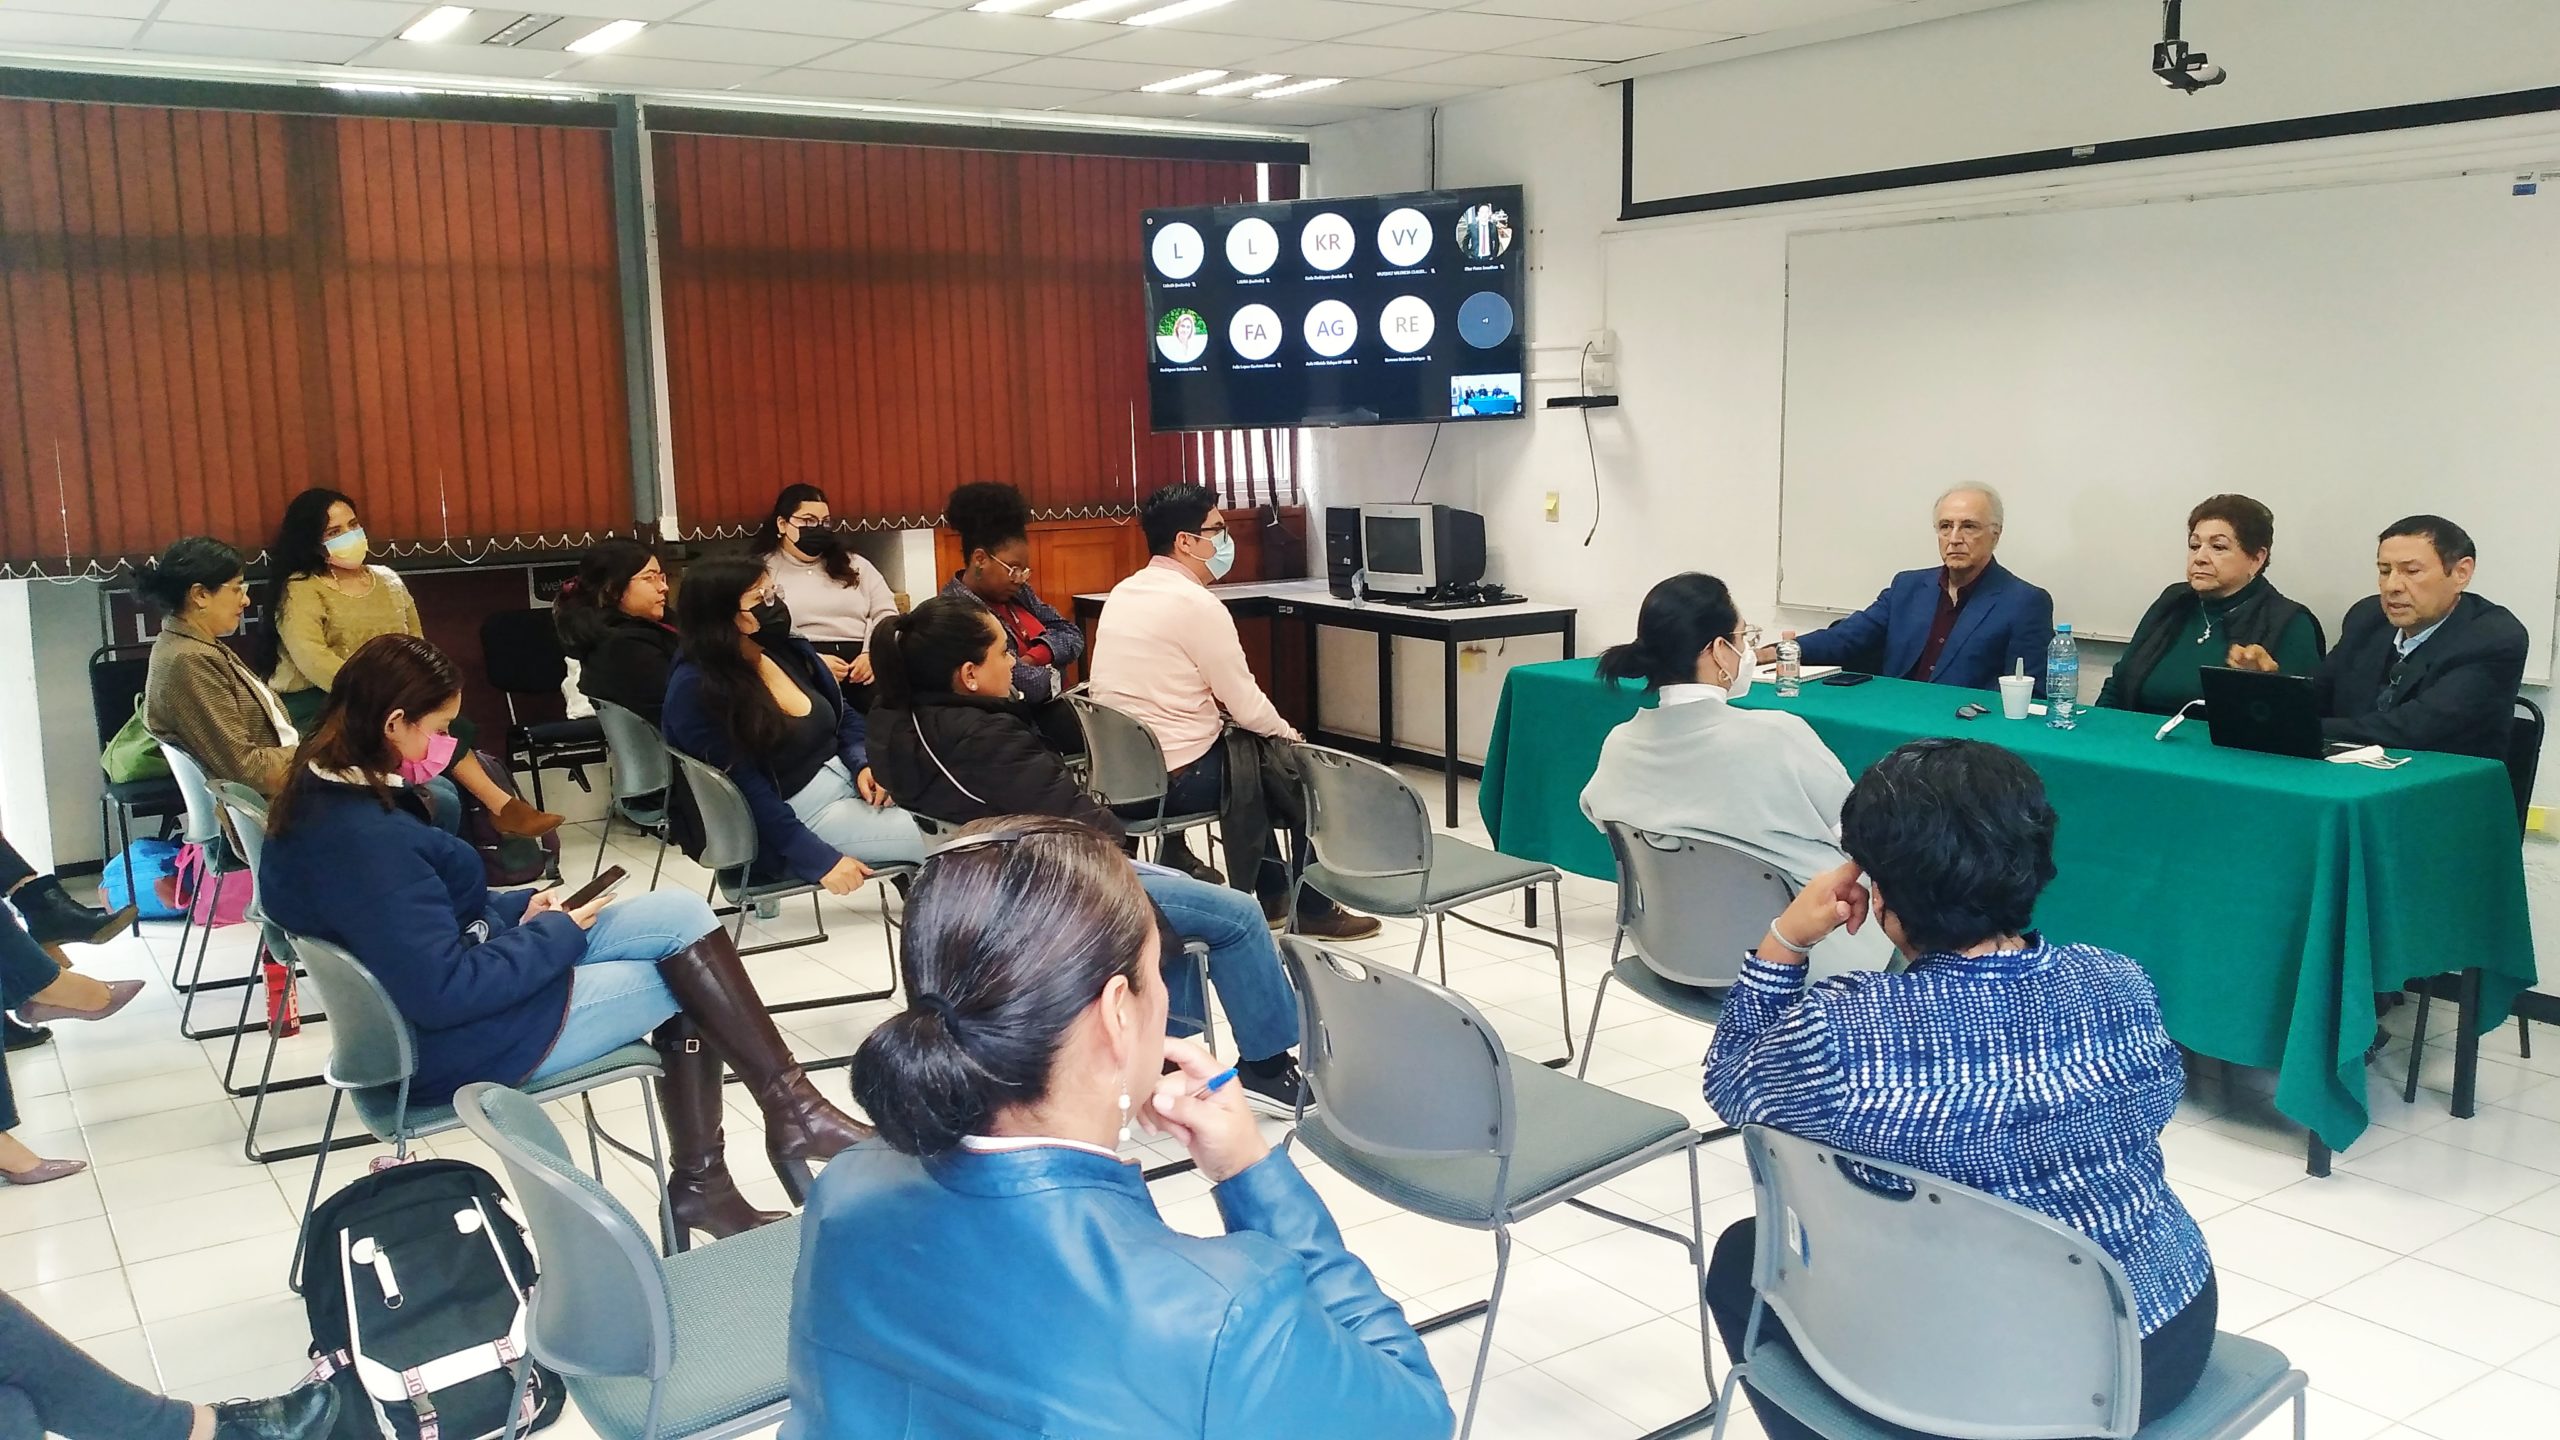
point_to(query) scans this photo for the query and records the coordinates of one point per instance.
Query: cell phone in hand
(593, 888)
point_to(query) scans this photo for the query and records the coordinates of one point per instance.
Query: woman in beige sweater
(326, 602)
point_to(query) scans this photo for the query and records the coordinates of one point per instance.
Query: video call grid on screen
(1362, 310)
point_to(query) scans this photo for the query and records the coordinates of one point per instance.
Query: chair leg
(1698, 1262)
(311, 1200)
(2301, 1414)
(520, 1400)
(2524, 1037)
(595, 1146)
(1440, 937)
(604, 841)
(661, 863)
(1421, 942)
(1564, 984)
(1484, 1343)
(2417, 1045)
(1592, 1034)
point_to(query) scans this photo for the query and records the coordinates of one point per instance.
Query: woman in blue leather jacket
(997, 1271)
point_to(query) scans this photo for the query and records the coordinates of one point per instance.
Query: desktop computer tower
(1341, 548)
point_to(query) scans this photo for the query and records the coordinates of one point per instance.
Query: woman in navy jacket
(510, 986)
(756, 700)
(998, 1271)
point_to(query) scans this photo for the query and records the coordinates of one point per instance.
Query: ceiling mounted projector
(2178, 67)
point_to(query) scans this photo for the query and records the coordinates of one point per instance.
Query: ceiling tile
(881, 58)
(117, 9)
(1014, 34)
(227, 43)
(1005, 97)
(649, 10)
(1754, 17)
(1392, 94)
(373, 19)
(844, 85)
(467, 60)
(845, 19)
(1185, 49)
(1465, 31)
(1299, 112)
(613, 68)
(1077, 72)
(726, 46)
(1610, 44)
(1349, 59)
(1596, 12)
(1298, 19)
(1488, 71)
(24, 28)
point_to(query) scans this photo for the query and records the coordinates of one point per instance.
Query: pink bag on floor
(208, 904)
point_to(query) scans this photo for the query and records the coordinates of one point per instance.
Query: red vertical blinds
(202, 312)
(887, 322)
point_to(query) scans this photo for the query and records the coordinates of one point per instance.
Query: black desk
(1313, 605)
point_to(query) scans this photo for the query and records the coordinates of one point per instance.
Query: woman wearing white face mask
(1696, 765)
(326, 602)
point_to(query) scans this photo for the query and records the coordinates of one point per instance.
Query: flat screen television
(1368, 310)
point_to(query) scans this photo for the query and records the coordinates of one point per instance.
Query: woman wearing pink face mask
(511, 986)
(326, 602)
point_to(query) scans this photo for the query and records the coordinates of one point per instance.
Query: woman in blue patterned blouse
(2035, 1071)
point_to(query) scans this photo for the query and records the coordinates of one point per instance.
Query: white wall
(1689, 464)
(49, 778)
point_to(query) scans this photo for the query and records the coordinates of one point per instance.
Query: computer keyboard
(1474, 601)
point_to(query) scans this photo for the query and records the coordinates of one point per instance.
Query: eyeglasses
(1750, 639)
(1210, 532)
(1019, 573)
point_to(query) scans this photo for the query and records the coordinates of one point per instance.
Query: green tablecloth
(2268, 897)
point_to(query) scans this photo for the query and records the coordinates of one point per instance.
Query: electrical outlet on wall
(1555, 507)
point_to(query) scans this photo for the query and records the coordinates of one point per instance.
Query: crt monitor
(1416, 549)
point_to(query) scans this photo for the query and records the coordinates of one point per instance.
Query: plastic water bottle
(1790, 664)
(2061, 678)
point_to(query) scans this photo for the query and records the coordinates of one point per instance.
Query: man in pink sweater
(1167, 653)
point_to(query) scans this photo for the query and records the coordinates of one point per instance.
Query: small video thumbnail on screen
(1476, 396)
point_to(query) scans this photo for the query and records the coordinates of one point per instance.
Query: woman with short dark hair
(2225, 604)
(994, 525)
(200, 695)
(2038, 1072)
(612, 619)
(998, 1268)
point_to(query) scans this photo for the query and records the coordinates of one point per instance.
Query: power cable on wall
(1425, 472)
(1590, 448)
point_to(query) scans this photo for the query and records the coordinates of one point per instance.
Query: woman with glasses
(756, 700)
(2225, 604)
(612, 619)
(997, 1268)
(200, 695)
(1698, 766)
(834, 596)
(994, 523)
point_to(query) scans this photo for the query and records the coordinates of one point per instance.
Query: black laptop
(2274, 714)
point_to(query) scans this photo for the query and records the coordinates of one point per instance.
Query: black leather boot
(54, 918)
(699, 1187)
(306, 1413)
(800, 1126)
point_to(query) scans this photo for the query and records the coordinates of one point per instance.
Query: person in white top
(834, 595)
(1700, 767)
(1166, 653)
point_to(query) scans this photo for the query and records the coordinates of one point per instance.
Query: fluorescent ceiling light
(1003, 7)
(437, 23)
(605, 37)
(1183, 82)
(1301, 88)
(1250, 82)
(1087, 9)
(1179, 9)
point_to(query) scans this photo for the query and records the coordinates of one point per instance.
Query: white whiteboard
(2347, 355)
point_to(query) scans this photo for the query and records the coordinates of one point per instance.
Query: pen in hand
(1215, 1082)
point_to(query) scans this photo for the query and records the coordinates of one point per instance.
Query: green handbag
(135, 753)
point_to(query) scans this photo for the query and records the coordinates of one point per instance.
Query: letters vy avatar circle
(1404, 237)
(1252, 246)
(1255, 332)
(1485, 319)
(1178, 248)
(1332, 329)
(1407, 324)
(1327, 242)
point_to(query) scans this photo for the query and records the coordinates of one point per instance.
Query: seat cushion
(561, 734)
(148, 797)
(1565, 1129)
(1694, 1001)
(377, 1105)
(1459, 871)
(732, 1305)
(2242, 1375)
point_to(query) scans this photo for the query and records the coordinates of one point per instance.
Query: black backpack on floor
(415, 1279)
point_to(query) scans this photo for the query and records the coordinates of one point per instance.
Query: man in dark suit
(1965, 621)
(2424, 664)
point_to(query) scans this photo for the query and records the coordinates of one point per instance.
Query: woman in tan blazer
(201, 697)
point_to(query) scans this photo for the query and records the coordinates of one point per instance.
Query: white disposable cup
(2017, 692)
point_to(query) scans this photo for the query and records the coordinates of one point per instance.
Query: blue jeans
(1243, 962)
(835, 812)
(616, 995)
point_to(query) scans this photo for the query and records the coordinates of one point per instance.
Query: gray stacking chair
(1963, 1316)
(203, 829)
(694, 1344)
(244, 821)
(372, 1057)
(637, 756)
(1375, 850)
(729, 851)
(1125, 766)
(1416, 1102)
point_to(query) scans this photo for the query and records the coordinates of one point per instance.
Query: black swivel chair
(2524, 762)
(521, 653)
(117, 675)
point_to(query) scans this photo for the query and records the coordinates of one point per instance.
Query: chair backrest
(247, 811)
(2524, 756)
(369, 1044)
(1123, 763)
(1942, 1309)
(117, 677)
(601, 1306)
(521, 652)
(1362, 818)
(639, 752)
(204, 817)
(728, 827)
(1398, 1065)
(1692, 907)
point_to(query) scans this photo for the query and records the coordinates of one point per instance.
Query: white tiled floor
(2419, 1286)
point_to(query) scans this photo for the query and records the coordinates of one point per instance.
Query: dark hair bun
(914, 1077)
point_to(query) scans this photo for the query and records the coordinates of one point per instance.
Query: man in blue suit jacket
(1966, 622)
